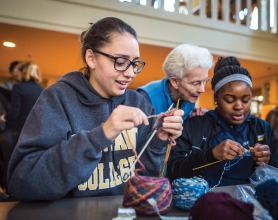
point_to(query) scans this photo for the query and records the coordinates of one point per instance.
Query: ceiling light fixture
(9, 44)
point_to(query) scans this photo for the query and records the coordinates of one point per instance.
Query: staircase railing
(254, 14)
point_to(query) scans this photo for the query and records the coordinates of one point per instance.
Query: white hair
(185, 58)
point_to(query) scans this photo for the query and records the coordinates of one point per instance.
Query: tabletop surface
(91, 208)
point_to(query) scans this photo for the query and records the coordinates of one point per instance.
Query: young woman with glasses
(78, 140)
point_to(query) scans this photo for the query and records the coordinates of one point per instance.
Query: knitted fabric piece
(187, 190)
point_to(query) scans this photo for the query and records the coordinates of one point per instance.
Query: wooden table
(92, 208)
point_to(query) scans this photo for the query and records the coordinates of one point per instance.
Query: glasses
(197, 84)
(122, 64)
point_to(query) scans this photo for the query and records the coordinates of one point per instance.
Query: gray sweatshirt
(62, 150)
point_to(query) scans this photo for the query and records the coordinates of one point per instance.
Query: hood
(87, 94)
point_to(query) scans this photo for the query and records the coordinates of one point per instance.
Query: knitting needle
(168, 149)
(196, 168)
(147, 143)
(152, 116)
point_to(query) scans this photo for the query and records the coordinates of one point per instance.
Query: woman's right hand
(123, 118)
(228, 150)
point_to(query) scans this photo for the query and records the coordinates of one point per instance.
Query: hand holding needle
(148, 141)
(196, 168)
(152, 116)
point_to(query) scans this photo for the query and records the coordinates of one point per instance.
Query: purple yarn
(219, 206)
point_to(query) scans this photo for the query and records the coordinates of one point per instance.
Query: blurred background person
(186, 68)
(6, 88)
(272, 119)
(15, 76)
(4, 106)
(24, 94)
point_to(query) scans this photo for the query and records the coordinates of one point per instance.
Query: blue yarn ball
(187, 190)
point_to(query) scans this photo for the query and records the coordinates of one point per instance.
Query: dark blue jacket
(23, 97)
(201, 134)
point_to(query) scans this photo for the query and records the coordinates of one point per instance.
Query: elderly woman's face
(193, 84)
(234, 101)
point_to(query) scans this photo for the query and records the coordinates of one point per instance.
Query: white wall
(153, 26)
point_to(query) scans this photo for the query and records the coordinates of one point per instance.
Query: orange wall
(154, 57)
(57, 53)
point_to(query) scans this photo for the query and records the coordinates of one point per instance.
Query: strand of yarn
(126, 176)
(220, 176)
(237, 159)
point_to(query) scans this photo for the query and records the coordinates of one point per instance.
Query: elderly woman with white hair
(186, 67)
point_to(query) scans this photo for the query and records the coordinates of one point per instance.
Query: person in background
(5, 90)
(5, 104)
(15, 76)
(79, 138)
(229, 138)
(272, 119)
(186, 67)
(24, 94)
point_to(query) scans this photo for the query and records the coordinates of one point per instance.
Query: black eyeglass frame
(134, 64)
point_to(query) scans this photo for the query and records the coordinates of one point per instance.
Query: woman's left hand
(171, 124)
(198, 112)
(261, 153)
